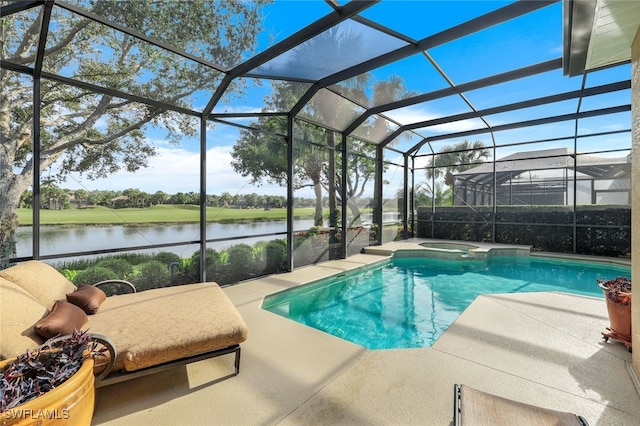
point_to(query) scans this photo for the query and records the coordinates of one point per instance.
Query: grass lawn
(156, 214)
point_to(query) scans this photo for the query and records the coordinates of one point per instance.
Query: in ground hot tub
(450, 246)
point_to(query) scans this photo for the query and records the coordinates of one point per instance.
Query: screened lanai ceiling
(462, 64)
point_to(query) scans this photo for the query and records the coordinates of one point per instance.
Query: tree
(253, 200)
(80, 195)
(159, 197)
(325, 50)
(456, 158)
(213, 200)
(96, 134)
(312, 162)
(178, 198)
(226, 199)
(193, 198)
(423, 195)
(102, 198)
(53, 197)
(262, 156)
(361, 168)
(26, 200)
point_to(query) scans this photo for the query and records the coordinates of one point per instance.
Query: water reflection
(55, 239)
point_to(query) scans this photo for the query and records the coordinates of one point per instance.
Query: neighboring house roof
(548, 159)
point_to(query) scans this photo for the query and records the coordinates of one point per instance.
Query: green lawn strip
(156, 214)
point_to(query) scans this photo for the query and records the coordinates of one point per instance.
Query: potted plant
(52, 384)
(618, 298)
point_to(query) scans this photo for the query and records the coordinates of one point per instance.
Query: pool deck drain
(541, 348)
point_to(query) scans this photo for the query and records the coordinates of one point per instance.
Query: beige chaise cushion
(481, 408)
(156, 326)
(40, 280)
(19, 311)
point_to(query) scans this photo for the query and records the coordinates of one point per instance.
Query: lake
(57, 239)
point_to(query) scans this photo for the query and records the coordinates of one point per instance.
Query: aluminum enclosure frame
(340, 13)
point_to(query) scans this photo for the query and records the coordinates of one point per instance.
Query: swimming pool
(410, 302)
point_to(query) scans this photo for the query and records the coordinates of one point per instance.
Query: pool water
(410, 302)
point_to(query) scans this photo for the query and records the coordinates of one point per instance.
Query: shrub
(76, 265)
(136, 258)
(180, 272)
(175, 265)
(259, 256)
(258, 249)
(69, 274)
(167, 258)
(212, 259)
(276, 256)
(93, 275)
(152, 274)
(120, 267)
(240, 262)
(224, 257)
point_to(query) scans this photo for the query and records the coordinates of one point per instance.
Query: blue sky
(521, 42)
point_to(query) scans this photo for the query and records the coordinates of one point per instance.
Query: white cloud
(415, 114)
(410, 114)
(178, 170)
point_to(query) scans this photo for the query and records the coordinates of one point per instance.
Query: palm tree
(456, 158)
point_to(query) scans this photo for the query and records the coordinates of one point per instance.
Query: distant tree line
(53, 197)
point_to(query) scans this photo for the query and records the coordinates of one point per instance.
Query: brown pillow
(87, 297)
(63, 319)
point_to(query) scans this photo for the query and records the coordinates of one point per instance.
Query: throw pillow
(63, 319)
(87, 297)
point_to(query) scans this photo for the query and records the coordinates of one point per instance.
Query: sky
(518, 43)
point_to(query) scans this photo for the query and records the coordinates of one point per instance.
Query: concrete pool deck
(540, 348)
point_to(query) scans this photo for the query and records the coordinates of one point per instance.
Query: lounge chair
(473, 407)
(144, 332)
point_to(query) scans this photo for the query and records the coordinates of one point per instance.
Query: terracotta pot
(71, 403)
(619, 311)
(620, 318)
